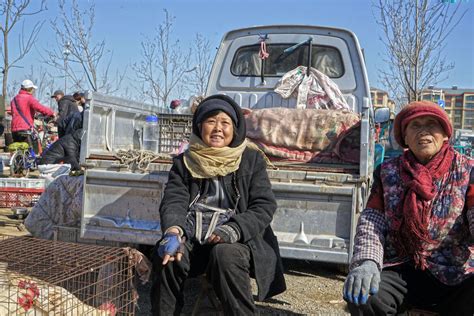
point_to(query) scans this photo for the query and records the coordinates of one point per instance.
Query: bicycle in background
(24, 158)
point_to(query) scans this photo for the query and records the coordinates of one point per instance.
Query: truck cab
(237, 69)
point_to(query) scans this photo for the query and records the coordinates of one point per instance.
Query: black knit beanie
(220, 102)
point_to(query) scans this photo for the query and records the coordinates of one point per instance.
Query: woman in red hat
(414, 244)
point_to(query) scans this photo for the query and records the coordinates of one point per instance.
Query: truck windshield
(326, 59)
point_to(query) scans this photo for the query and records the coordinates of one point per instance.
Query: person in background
(174, 105)
(24, 106)
(66, 104)
(178, 107)
(80, 99)
(73, 122)
(414, 243)
(65, 150)
(66, 107)
(218, 175)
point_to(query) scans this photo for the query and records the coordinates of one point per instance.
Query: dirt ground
(9, 225)
(313, 289)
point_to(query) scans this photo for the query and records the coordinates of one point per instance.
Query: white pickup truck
(318, 203)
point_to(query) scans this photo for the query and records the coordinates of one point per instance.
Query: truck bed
(104, 161)
(313, 220)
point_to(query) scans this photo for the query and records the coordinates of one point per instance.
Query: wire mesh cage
(43, 277)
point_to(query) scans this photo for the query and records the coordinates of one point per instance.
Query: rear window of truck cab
(247, 62)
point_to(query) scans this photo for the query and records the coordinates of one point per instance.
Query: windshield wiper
(290, 50)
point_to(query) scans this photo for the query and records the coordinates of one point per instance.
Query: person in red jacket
(23, 107)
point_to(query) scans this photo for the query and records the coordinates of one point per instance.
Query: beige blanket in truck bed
(305, 134)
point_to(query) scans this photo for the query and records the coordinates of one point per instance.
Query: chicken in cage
(43, 277)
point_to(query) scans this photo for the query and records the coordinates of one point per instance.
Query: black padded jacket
(66, 150)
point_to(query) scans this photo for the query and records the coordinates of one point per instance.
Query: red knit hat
(417, 109)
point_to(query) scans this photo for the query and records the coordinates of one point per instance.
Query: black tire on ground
(17, 165)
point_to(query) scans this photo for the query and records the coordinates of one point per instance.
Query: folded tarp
(59, 205)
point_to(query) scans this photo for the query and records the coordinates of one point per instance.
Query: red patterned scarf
(411, 229)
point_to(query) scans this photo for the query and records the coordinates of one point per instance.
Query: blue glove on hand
(360, 280)
(170, 245)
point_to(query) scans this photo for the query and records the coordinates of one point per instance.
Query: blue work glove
(361, 281)
(170, 245)
(227, 233)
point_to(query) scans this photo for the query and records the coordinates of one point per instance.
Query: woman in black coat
(219, 174)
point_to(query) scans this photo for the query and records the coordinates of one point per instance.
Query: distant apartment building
(458, 103)
(380, 98)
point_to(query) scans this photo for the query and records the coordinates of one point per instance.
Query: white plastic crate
(5, 158)
(22, 183)
(174, 130)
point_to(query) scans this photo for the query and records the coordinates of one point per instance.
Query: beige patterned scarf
(203, 161)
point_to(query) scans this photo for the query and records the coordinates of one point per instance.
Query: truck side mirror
(382, 115)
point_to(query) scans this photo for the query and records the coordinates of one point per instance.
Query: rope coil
(139, 159)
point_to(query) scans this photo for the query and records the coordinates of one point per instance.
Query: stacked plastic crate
(20, 192)
(175, 130)
(4, 162)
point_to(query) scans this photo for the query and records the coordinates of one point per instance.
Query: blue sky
(123, 23)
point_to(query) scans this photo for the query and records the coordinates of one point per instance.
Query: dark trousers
(25, 136)
(404, 287)
(227, 268)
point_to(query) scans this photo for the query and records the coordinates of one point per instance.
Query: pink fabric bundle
(301, 134)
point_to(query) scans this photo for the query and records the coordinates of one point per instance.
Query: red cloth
(417, 109)
(174, 104)
(412, 230)
(375, 200)
(28, 106)
(470, 196)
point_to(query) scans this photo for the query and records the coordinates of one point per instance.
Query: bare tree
(45, 82)
(13, 87)
(414, 35)
(12, 12)
(164, 64)
(85, 62)
(42, 78)
(203, 59)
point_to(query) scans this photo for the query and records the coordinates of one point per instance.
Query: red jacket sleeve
(38, 107)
